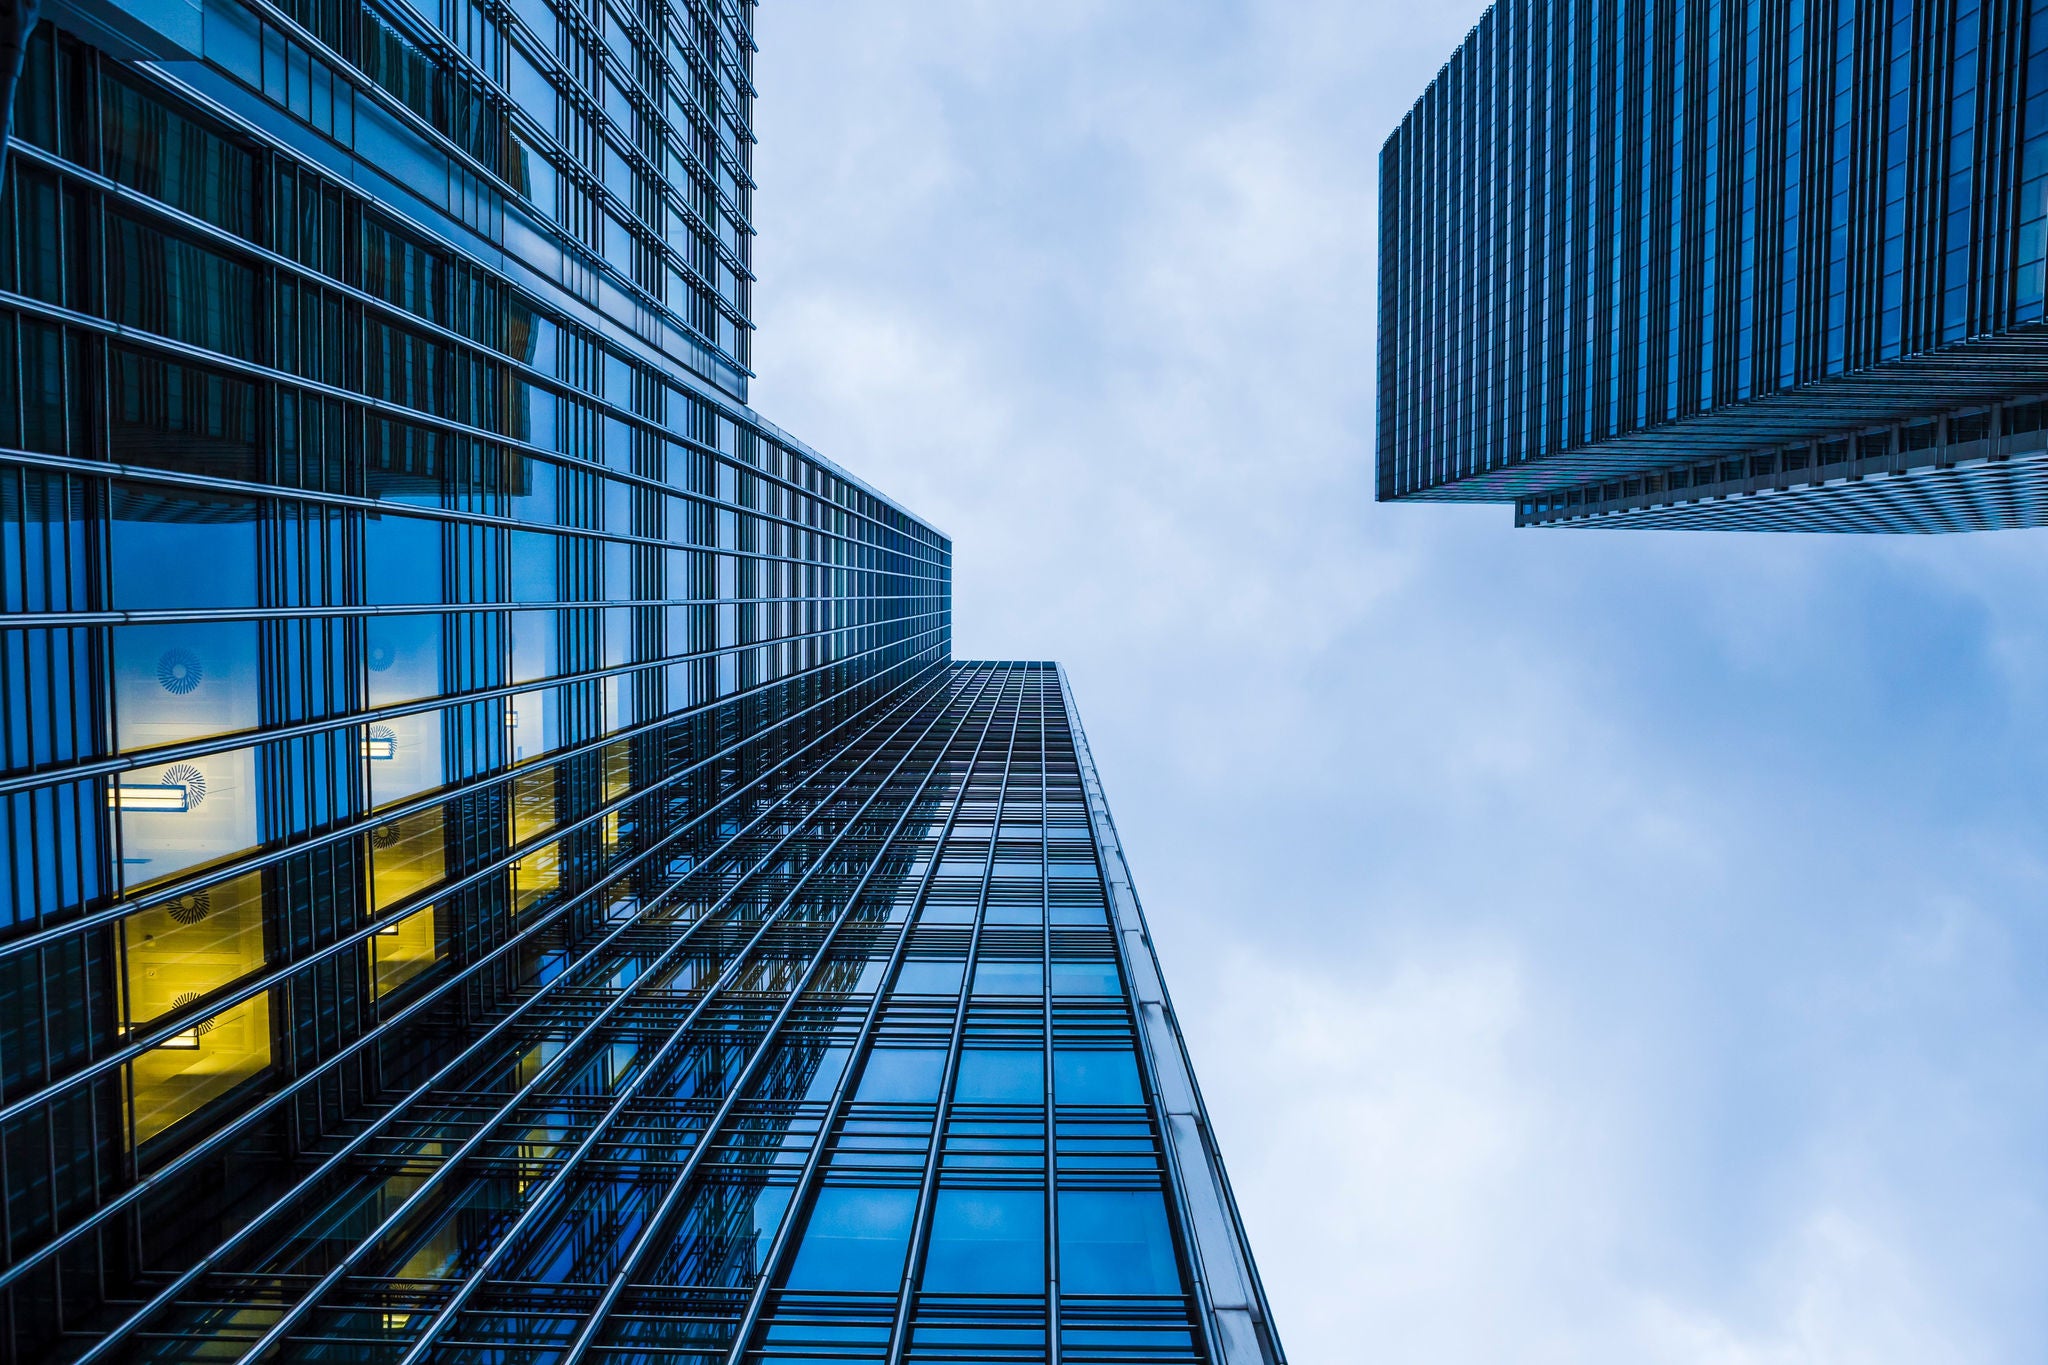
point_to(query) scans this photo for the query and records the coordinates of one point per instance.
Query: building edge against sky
(1723, 264)
(490, 815)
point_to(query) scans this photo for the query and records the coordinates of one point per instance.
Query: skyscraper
(501, 861)
(1724, 264)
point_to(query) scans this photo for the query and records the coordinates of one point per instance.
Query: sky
(1593, 947)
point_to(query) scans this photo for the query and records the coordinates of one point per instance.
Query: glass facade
(1630, 247)
(502, 864)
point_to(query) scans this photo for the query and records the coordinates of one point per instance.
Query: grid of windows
(501, 860)
(1622, 235)
(377, 611)
(1977, 469)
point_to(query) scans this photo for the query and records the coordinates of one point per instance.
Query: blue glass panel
(996, 976)
(1088, 976)
(534, 559)
(1116, 1242)
(401, 560)
(902, 1075)
(987, 1242)
(404, 654)
(924, 976)
(992, 1076)
(855, 1239)
(1078, 914)
(1095, 1078)
(182, 548)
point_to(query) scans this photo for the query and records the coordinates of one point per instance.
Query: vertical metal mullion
(1052, 1203)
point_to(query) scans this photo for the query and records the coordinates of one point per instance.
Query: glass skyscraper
(501, 862)
(1724, 264)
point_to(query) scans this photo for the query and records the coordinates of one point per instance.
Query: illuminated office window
(175, 1079)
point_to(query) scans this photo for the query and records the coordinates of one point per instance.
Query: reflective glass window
(987, 1242)
(998, 976)
(927, 976)
(854, 1239)
(174, 547)
(191, 680)
(1000, 1076)
(406, 757)
(406, 857)
(1095, 1077)
(1085, 976)
(186, 948)
(402, 560)
(1115, 1242)
(402, 949)
(199, 1066)
(404, 657)
(187, 814)
(901, 1075)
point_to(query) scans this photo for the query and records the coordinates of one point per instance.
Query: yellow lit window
(406, 857)
(402, 949)
(192, 945)
(533, 803)
(618, 769)
(533, 876)
(199, 1065)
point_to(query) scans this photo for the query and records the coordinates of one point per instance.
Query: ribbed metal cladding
(1616, 234)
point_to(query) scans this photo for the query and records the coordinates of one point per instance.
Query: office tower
(1724, 264)
(501, 861)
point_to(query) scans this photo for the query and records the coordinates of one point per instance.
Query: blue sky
(1594, 947)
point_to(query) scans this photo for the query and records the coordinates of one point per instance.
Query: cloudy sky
(1594, 947)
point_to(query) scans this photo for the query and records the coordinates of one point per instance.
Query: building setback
(501, 861)
(1724, 264)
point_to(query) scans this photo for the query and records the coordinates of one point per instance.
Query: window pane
(1115, 1242)
(1087, 976)
(1095, 1078)
(182, 548)
(407, 758)
(401, 560)
(987, 1242)
(182, 417)
(404, 657)
(902, 1075)
(403, 949)
(406, 857)
(996, 977)
(180, 950)
(922, 976)
(183, 815)
(192, 680)
(855, 1239)
(988, 1076)
(199, 1065)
